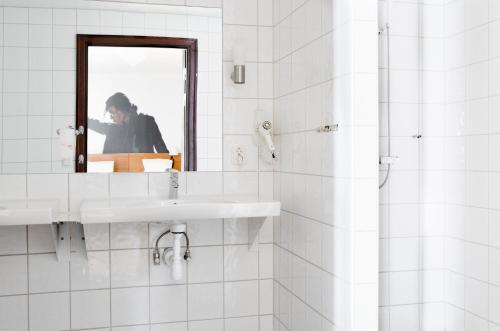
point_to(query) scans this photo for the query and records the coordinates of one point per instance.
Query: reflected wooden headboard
(132, 162)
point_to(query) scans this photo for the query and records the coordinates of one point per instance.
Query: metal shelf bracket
(68, 237)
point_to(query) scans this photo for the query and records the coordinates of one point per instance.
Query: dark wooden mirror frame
(191, 47)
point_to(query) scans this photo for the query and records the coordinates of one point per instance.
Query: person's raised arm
(99, 127)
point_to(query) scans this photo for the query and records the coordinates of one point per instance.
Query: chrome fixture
(388, 159)
(265, 130)
(239, 60)
(156, 250)
(238, 74)
(78, 132)
(173, 192)
(328, 128)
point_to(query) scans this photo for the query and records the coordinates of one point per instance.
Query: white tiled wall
(39, 65)
(326, 238)
(227, 287)
(412, 202)
(471, 151)
(303, 94)
(412, 234)
(439, 237)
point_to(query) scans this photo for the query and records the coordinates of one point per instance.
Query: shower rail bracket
(328, 128)
(388, 160)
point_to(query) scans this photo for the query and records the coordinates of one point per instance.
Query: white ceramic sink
(27, 211)
(157, 210)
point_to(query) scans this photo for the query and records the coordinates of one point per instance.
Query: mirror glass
(137, 102)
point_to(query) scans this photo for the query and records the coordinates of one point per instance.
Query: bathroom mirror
(38, 94)
(136, 103)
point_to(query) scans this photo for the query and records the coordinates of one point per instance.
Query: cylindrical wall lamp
(239, 59)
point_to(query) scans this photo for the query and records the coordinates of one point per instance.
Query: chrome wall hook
(80, 131)
(328, 128)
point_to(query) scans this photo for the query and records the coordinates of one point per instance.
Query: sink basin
(157, 210)
(22, 212)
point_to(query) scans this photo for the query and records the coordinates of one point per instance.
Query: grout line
(149, 271)
(257, 239)
(3, 97)
(488, 166)
(420, 275)
(109, 266)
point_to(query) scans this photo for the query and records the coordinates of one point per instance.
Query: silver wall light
(239, 59)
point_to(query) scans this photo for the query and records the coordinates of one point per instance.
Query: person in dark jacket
(130, 132)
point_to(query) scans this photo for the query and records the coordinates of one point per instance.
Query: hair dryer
(265, 130)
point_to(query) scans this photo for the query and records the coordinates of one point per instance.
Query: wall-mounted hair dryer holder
(265, 130)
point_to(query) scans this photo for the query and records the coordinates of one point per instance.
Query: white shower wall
(439, 225)
(411, 209)
(472, 30)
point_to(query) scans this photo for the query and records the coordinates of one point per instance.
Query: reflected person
(130, 132)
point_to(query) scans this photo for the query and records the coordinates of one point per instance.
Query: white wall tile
(40, 36)
(40, 239)
(176, 326)
(40, 16)
(90, 309)
(88, 186)
(123, 185)
(199, 183)
(49, 187)
(241, 298)
(90, 273)
(15, 58)
(128, 235)
(129, 268)
(15, 35)
(13, 275)
(208, 265)
(130, 306)
(14, 313)
(13, 240)
(49, 311)
(168, 304)
(240, 263)
(46, 274)
(205, 301)
(242, 323)
(15, 15)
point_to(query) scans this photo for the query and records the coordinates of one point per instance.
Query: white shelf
(134, 210)
(159, 210)
(28, 211)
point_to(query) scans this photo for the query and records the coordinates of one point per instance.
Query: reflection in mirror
(136, 103)
(140, 104)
